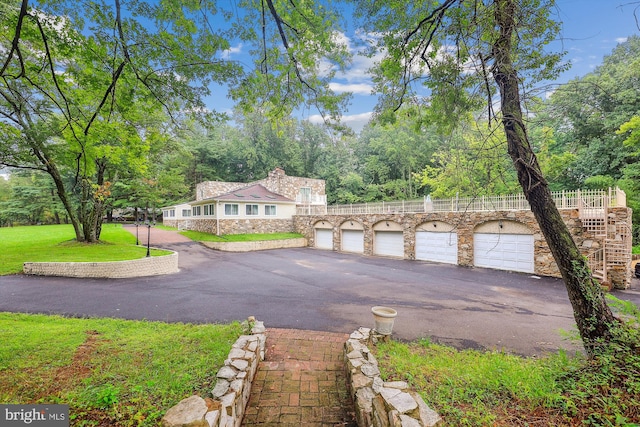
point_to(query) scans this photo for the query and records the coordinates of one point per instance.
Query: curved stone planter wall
(148, 266)
(257, 246)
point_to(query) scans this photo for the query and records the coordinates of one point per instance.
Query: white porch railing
(311, 199)
(591, 202)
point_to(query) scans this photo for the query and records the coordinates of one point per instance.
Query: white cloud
(232, 51)
(621, 39)
(356, 88)
(354, 121)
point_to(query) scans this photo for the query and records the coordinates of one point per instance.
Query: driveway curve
(324, 291)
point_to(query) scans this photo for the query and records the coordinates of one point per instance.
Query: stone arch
(352, 236)
(351, 224)
(387, 225)
(436, 226)
(504, 226)
(323, 223)
(388, 238)
(323, 237)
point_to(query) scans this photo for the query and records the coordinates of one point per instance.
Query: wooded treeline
(586, 135)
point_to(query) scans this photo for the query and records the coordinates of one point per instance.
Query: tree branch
(16, 40)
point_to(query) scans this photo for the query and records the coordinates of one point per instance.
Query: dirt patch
(80, 367)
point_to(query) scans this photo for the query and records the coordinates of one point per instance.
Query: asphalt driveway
(322, 290)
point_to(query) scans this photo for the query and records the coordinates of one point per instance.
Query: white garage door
(439, 247)
(390, 243)
(513, 252)
(324, 238)
(353, 241)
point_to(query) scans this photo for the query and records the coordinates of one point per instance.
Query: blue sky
(591, 30)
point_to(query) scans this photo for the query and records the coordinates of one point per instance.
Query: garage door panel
(438, 247)
(324, 238)
(389, 243)
(512, 252)
(353, 241)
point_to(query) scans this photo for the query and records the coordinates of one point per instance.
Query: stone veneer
(148, 266)
(379, 403)
(230, 395)
(277, 181)
(464, 224)
(234, 226)
(259, 245)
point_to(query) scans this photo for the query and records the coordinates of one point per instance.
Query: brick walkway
(301, 382)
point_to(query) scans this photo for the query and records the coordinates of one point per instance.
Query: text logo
(34, 415)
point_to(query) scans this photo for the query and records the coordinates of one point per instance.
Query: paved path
(301, 382)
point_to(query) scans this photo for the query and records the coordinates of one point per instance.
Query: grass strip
(207, 237)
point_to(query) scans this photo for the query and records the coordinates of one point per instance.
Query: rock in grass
(189, 412)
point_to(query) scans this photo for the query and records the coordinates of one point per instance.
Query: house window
(186, 212)
(172, 213)
(196, 210)
(270, 210)
(251, 210)
(305, 194)
(209, 210)
(230, 209)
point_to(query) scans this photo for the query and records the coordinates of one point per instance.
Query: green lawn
(492, 388)
(110, 372)
(56, 243)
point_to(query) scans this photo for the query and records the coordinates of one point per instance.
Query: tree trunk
(593, 316)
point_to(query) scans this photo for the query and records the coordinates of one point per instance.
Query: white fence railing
(586, 200)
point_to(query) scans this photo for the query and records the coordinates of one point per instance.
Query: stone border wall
(379, 403)
(233, 226)
(148, 266)
(256, 246)
(230, 395)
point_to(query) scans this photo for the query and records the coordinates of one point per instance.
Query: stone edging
(260, 245)
(379, 403)
(148, 266)
(232, 390)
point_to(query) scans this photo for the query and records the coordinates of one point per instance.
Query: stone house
(491, 232)
(264, 206)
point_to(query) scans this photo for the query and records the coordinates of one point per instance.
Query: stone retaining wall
(233, 226)
(465, 224)
(379, 403)
(148, 266)
(257, 246)
(230, 395)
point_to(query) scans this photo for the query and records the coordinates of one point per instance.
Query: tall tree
(85, 98)
(462, 48)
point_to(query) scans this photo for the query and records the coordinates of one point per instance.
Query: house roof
(253, 193)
